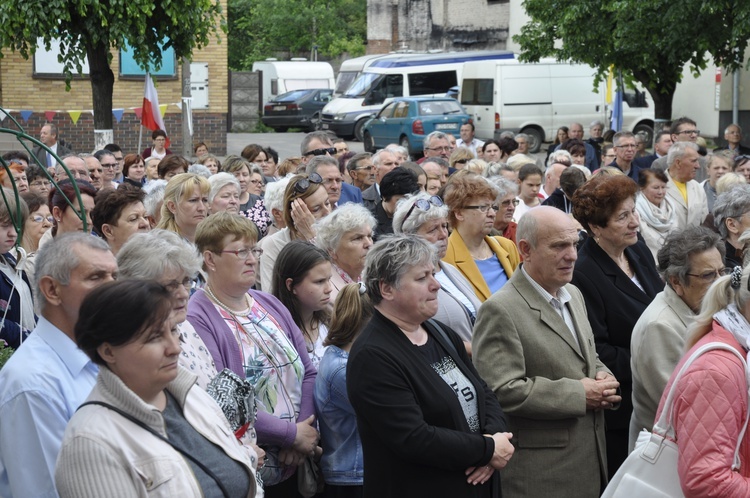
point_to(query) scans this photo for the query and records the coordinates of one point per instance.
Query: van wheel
(536, 137)
(358, 128)
(404, 142)
(369, 143)
(646, 131)
(314, 122)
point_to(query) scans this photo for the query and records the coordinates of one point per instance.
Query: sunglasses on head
(425, 205)
(303, 184)
(322, 152)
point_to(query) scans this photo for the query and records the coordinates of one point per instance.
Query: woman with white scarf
(710, 407)
(655, 209)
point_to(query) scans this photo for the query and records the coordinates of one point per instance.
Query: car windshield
(344, 81)
(291, 96)
(363, 84)
(438, 107)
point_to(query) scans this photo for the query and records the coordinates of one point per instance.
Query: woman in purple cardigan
(253, 334)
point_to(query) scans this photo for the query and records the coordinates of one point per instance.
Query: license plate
(445, 126)
(279, 108)
(324, 126)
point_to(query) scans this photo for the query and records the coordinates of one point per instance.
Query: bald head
(547, 239)
(552, 177)
(76, 166)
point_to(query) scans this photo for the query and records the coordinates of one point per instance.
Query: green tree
(268, 28)
(650, 41)
(89, 29)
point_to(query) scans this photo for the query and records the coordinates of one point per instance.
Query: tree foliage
(89, 29)
(290, 28)
(648, 40)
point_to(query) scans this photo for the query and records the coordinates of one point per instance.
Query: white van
(538, 98)
(350, 69)
(397, 75)
(284, 76)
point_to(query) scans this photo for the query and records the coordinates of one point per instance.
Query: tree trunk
(662, 104)
(102, 85)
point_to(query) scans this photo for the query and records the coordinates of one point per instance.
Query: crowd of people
(480, 322)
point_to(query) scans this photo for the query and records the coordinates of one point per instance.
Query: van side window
(432, 83)
(477, 91)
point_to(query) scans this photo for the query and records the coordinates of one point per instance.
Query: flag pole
(140, 138)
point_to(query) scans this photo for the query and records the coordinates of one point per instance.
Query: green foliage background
(259, 29)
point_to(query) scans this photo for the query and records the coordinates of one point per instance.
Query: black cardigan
(415, 438)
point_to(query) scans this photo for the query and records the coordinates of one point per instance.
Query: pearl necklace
(248, 301)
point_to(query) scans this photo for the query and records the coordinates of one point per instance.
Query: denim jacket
(341, 463)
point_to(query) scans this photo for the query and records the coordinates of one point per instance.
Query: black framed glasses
(711, 275)
(257, 252)
(484, 208)
(304, 183)
(322, 152)
(424, 205)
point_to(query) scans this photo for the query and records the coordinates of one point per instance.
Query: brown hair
(596, 201)
(462, 189)
(291, 194)
(351, 313)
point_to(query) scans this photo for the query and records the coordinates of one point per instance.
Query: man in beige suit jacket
(534, 347)
(687, 195)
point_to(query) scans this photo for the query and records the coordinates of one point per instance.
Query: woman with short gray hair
(346, 235)
(224, 194)
(504, 225)
(427, 217)
(425, 389)
(732, 217)
(689, 261)
(167, 258)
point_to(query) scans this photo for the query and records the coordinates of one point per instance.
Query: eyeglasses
(303, 184)
(424, 205)
(626, 146)
(365, 168)
(445, 148)
(712, 275)
(484, 207)
(172, 286)
(38, 218)
(689, 132)
(507, 203)
(321, 152)
(256, 182)
(257, 252)
(109, 165)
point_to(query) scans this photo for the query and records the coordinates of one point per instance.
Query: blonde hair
(179, 188)
(729, 180)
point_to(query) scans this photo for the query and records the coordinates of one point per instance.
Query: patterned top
(258, 214)
(317, 350)
(194, 356)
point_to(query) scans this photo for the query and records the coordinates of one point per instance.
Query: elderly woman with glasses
(427, 217)
(254, 335)
(487, 262)
(429, 424)
(690, 261)
(346, 235)
(305, 202)
(732, 219)
(504, 225)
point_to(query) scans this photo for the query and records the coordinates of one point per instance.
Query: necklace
(248, 301)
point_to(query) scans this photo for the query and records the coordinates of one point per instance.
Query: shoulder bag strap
(162, 438)
(444, 336)
(665, 425)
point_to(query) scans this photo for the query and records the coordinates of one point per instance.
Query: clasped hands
(601, 392)
(503, 451)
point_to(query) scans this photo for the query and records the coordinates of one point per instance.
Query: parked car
(296, 109)
(407, 120)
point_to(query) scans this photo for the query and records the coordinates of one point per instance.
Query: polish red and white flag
(151, 116)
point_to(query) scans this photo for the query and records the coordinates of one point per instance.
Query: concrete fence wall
(245, 106)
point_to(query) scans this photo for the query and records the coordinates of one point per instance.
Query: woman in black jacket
(429, 424)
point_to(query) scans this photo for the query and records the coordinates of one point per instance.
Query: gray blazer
(527, 355)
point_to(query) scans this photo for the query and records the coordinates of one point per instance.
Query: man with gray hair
(625, 147)
(733, 137)
(436, 144)
(732, 219)
(687, 195)
(48, 135)
(319, 144)
(689, 261)
(534, 347)
(384, 161)
(76, 166)
(48, 377)
(328, 169)
(361, 170)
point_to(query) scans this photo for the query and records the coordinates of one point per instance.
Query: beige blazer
(692, 213)
(527, 355)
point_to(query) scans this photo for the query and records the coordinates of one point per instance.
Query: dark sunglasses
(424, 205)
(303, 184)
(322, 152)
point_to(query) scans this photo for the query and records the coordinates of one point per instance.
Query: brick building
(22, 89)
